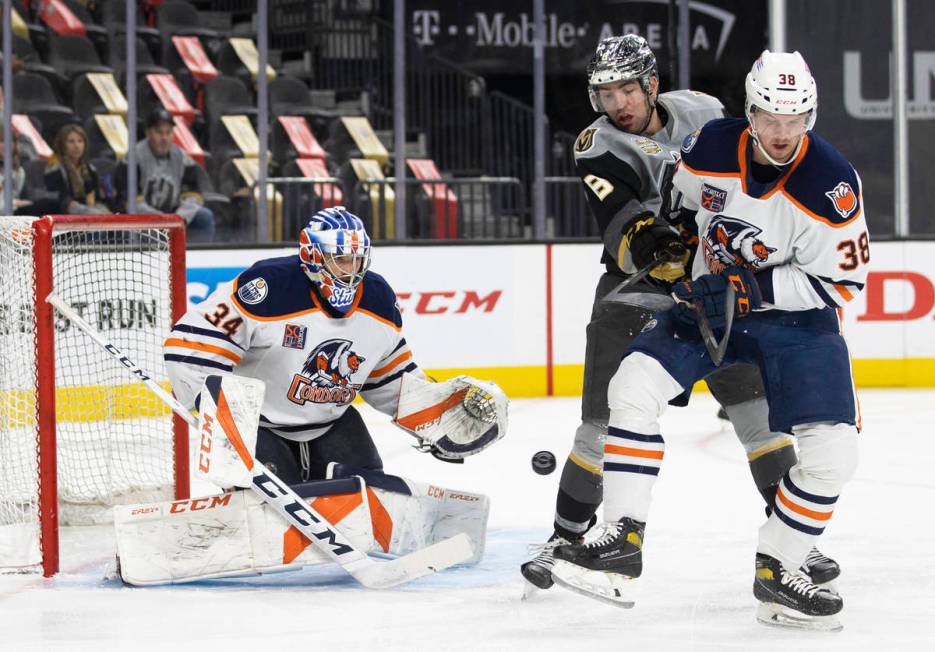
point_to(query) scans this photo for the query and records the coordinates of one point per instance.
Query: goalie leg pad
(421, 514)
(231, 534)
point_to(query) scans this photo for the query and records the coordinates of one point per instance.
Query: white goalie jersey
(268, 324)
(803, 234)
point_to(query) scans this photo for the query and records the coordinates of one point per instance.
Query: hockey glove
(645, 238)
(710, 291)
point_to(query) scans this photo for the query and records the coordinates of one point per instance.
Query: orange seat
(61, 19)
(196, 60)
(329, 193)
(22, 125)
(301, 137)
(172, 97)
(444, 200)
(185, 139)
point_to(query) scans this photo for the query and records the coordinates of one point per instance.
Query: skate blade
(530, 591)
(775, 615)
(605, 587)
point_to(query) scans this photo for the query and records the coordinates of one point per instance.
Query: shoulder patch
(843, 198)
(585, 140)
(254, 291)
(648, 146)
(690, 141)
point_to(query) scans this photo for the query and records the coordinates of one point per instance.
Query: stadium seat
(179, 18)
(289, 96)
(352, 137)
(98, 93)
(32, 62)
(107, 136)
(73, 56)
(163, 90)
(189, 64)
(375, 202)
(435, 207)
(225, 96)
(238, 57)
(33, 95)
(35, 32)
(114, 17)
(26, 127)
(95, 32)
(291, 138)
(145, 65)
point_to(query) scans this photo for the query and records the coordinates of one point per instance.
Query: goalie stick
(296, 511)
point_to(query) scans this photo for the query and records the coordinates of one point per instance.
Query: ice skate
(789, 599)
(604, 569)
(821, 569)
(538, 570)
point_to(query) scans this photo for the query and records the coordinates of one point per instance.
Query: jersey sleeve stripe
(705, 173)
(291, 315)
(189, 359)
(386, 381)
(205, 348)
(392, 364)
(379, 319)
(843, 291)
(821, 292)
(194, 330)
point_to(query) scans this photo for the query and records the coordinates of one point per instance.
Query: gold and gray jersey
(623, 172)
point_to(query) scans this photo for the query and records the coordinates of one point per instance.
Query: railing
(566, 209)
(461, 208)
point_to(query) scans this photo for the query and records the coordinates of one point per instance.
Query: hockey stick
(297, 512)
(648, 300)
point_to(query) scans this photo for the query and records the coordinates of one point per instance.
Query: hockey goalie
(295, 340)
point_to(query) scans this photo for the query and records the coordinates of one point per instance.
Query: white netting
(19, 481)
(114, 438)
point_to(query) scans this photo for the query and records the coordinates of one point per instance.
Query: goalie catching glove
(454, 419)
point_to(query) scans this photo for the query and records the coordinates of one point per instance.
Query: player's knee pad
(588, 449)
(639, 392)
(770, 462)
(751, 424)
(827, 452)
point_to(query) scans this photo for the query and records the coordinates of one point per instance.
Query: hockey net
(77, 436)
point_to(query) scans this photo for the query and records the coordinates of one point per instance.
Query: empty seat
(226, 96)
(73, 56)
(32, 62)
(97, 93)
(95, 32)
(289, 96)
(145, 65)
(291, 138)
(33, 95)
(114, 16)
(238, 57)
(177, 17)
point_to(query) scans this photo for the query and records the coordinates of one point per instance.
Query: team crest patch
(294, 336)
(844, 199)
(713, 199)
(253, 292)
(690, 141)
(585, 140)
(326, 375)
(648, 146)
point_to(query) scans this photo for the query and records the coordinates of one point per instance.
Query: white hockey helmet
(781, 83)
(620, 59)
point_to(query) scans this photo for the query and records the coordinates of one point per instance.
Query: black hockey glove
(645, 237)
(710, 290)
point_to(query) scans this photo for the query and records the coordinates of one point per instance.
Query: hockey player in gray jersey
(625, 158)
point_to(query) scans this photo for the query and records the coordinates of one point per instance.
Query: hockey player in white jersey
(320, 328)
(779, 216)
(624, 159)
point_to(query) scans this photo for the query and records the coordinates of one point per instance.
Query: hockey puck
(543, 462)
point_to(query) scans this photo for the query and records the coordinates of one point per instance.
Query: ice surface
(696, 588)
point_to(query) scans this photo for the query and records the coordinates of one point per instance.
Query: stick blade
(439, 556)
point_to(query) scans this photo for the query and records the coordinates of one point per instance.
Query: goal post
(77, 437)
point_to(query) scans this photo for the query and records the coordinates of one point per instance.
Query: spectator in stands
(24, 202)
(70, 175)
(167, 179)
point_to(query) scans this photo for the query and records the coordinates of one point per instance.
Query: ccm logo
(437, 303)
(917, 287)
(198, 504)
(465, 497)
(144, 510)
(204, 462)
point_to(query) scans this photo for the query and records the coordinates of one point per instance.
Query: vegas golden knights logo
(585, 140)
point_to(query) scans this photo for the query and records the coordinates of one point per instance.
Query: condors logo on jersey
(729, 241)
(326, 375)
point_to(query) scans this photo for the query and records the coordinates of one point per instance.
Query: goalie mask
(334, 250)
(621, 59)
(781, 84)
